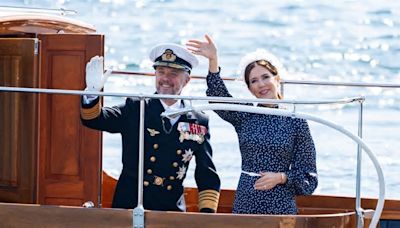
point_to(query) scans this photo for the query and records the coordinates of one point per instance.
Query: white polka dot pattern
(274, 144)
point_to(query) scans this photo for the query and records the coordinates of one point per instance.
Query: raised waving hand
(206, 48)
(95, 76)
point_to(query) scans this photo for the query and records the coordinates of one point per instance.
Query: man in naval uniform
(170, 144)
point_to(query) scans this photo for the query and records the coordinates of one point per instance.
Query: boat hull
(28, 215)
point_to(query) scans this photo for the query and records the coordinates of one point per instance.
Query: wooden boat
(47, 172)
(314, 211)
(13, 23)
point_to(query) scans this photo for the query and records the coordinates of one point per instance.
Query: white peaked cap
(180, 57)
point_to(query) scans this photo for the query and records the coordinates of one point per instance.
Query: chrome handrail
(162, 96)
(281, 112)
(138, 212)
(283, 81)
(350, 84)
(60, 11)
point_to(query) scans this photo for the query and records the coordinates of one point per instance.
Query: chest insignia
(191, 131)
(181, 173)
(187, 156)
(153, 132)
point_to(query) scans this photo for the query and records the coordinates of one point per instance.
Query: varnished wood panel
(18, 118)
(10, 102)
(53, 216)
(70, 164)
(175, 219)
(27, 216)
(107, 191)
(66, 131)
(308, 205)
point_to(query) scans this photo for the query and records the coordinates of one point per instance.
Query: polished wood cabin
(46, 155)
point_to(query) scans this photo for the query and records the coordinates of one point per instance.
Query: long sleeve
(110, 119)
(302, 175)
(216, 88)
(206, 176)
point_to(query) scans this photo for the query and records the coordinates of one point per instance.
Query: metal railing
(60, 11)
(283, 81)
(139, 210)
(279, 112)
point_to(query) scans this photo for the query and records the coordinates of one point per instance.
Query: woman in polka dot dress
(278, 153)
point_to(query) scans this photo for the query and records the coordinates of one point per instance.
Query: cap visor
(172, 65)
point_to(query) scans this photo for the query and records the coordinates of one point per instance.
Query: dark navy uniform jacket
(167, 155)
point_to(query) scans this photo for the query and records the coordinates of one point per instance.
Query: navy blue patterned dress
(272, 144)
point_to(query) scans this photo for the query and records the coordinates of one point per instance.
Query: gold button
(155, 146)
(146, 183)
(178, 152)
(175, 164)
(172, 178)
(169, 187)
(158, 181)
(149, 171)
(152, 158)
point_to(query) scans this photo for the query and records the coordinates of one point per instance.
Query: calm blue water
(344, 41)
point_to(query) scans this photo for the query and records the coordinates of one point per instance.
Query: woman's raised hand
(207, 49)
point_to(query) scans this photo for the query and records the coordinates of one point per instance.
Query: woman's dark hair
(267, 65)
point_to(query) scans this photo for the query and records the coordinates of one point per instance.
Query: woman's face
(262, 83)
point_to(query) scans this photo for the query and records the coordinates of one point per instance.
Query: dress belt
(251, 174)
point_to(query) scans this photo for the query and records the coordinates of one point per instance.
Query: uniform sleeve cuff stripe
(213, 192)
(90, 113)
(209, 196)
(208, 204)
(208, 199)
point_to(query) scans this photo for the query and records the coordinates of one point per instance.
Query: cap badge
(168, 56)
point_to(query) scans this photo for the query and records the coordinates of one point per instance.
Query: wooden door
(18, 119)
(69, 153)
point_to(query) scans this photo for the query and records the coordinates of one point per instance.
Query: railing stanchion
(138, 212)
(359, 210)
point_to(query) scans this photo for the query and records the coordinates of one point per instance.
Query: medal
(191, 131)
(181, 173)
(187, 156)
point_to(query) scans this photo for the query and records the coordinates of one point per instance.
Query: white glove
(95, 79)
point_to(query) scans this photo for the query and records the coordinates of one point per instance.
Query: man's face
(170, 80)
